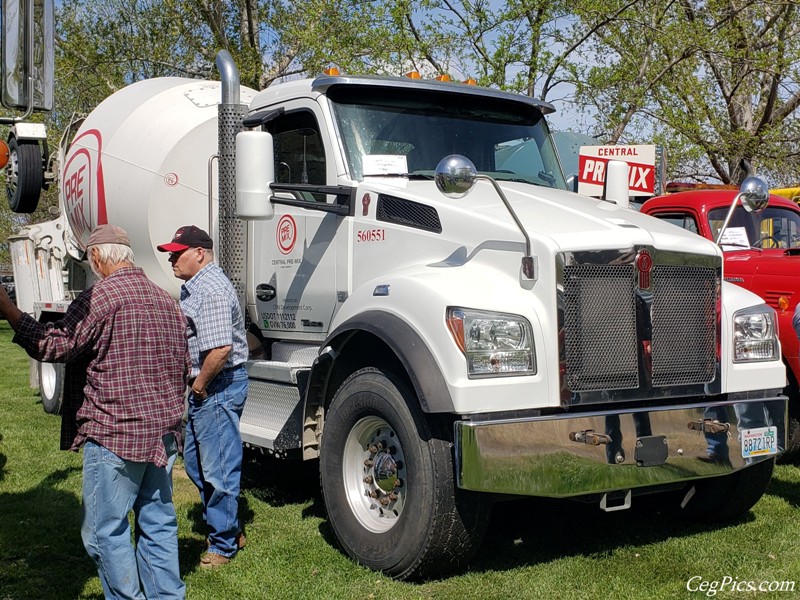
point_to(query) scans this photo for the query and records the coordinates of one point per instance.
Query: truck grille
(684, 325)
(618, 336)
(600, 327)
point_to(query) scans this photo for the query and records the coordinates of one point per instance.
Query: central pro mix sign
(641, 159)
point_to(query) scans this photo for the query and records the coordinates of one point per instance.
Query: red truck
(761, 253)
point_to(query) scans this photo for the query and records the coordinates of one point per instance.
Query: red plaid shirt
(124, 342)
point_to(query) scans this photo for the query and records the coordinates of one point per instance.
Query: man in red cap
(125, 347)
(212, 453)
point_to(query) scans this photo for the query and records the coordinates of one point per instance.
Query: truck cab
(761, 253)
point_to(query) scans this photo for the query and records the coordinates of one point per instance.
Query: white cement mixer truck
(435, 318)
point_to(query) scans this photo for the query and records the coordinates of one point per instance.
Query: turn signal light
(783, 303)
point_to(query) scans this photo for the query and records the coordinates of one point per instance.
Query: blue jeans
(212, 455)
(112, 487)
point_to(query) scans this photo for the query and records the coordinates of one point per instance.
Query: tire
(725, 498)
(24, 175)
(428, 526)
(791, 454)
(51, 386)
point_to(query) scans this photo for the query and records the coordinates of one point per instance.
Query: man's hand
(9, 310)
(213, 363)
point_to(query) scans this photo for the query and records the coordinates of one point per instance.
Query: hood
(768, 263)
(565, 221)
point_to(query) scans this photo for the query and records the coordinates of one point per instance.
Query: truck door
(294, 254)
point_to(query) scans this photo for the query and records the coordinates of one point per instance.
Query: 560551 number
(371, 235)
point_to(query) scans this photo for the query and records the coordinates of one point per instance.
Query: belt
(228, 370)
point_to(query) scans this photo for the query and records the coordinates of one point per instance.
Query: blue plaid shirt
(214, 317)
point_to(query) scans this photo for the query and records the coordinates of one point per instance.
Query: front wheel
(387, 478)
(791, 453)
(51, 386)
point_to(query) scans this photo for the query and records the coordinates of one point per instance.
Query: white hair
(113, 254)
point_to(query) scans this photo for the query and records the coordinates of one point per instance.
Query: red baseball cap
(187, 236)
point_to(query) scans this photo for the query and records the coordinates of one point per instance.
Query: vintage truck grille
(625, 330)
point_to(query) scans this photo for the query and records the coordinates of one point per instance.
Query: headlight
(494, 344)
(755, 335)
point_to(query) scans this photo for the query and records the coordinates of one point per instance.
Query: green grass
(534, 548)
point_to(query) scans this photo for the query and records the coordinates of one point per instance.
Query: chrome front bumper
(598, 452)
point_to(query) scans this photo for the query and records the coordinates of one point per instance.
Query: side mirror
(754, 194)
(455, 176)
(255, 171)
(26, 73)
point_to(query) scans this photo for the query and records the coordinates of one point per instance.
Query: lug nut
(373, 449)
(384, 501)
(393, 497)
(368, 479)
(368, 463)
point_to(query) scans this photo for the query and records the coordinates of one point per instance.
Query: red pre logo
(286, 234)
(82, 188)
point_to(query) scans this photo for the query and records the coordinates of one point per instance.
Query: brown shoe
(209, 560)
(241, 541)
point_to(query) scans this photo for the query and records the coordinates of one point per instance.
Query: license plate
(761, 441)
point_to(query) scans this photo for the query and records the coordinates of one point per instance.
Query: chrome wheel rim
(374, 474)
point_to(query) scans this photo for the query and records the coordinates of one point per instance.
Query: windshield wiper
(417, 176)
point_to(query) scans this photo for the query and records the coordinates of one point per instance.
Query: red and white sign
(641, 159)
(286, 234)
(82, 186)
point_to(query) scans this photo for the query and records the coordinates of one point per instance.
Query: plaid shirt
(125, 347)
(214, 317)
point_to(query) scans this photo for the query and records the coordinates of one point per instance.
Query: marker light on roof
(413, 75)
(331, 71)
(443, 77)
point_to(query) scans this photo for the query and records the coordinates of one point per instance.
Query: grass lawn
(534, 548)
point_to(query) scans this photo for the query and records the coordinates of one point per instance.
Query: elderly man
(218, 347)
(124, 340)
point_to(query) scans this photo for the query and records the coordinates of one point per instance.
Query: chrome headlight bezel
(755, 335)
(494, 344)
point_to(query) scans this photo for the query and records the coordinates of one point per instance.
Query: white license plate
(761, 441)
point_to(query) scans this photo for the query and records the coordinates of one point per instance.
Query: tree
(717, 82)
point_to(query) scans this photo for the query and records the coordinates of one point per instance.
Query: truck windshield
(399, 131)
(775, 227)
